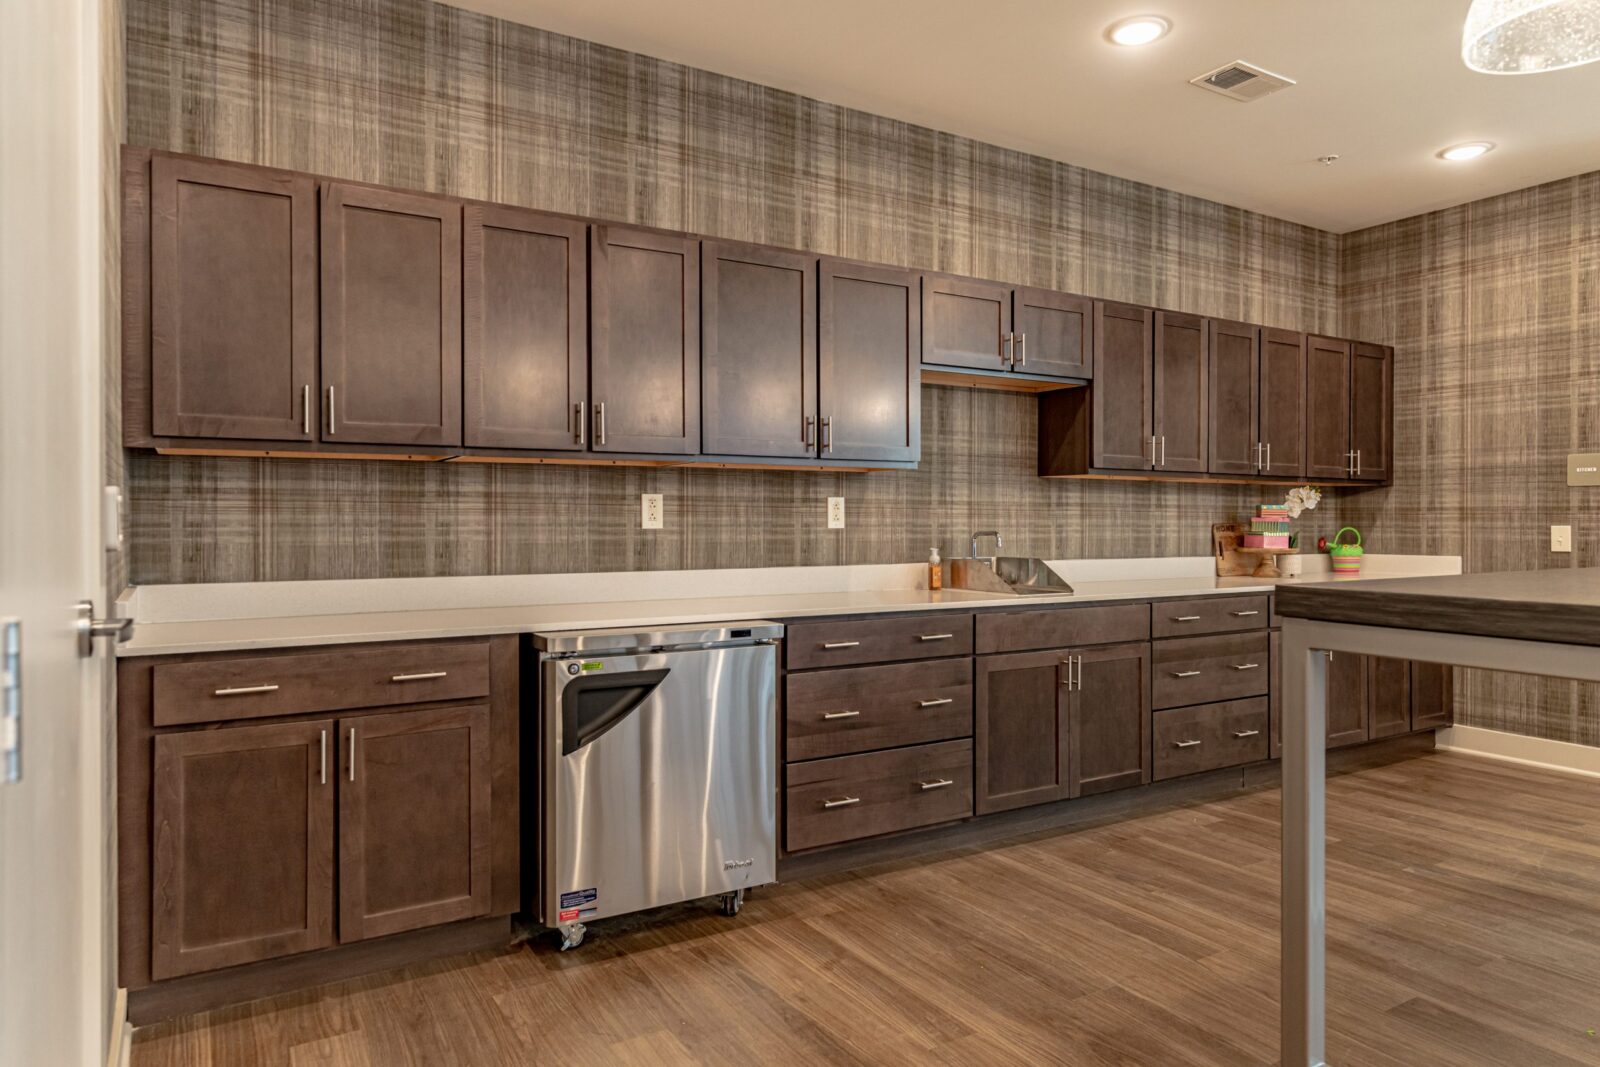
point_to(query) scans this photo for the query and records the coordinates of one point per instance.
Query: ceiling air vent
(1242, 81)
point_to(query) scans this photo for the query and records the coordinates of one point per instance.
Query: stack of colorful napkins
(1269, 528)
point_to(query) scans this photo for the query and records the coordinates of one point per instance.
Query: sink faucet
(998, 544)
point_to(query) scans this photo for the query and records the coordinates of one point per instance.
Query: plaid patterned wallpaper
(419, 95)
(1494, 309)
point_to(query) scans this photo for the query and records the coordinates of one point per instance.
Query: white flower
(1300, 499)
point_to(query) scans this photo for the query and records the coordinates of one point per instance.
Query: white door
(56, 979)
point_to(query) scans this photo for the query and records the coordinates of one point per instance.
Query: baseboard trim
(1563, 756)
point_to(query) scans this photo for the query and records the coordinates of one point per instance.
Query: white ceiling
(1381, 84)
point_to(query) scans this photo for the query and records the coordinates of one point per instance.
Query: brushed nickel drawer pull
(352, 753)
(420, 676)
(1186, 618)
(937, 783)
(1186, 674)
(322, 759)
(1245, 666)
(841, 802)
(305, 409)
(332, 425)
(1184, 744)
(934, 637)
(935, 703)
(244, 690)
(1246, 733)
(828, 715)
(840, 644)
(1243, 614)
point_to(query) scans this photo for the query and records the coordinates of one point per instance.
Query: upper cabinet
(644, 344)
(1283, 403)
(870, 344)
(1001, 329)
(1182, 392)
(1122, 418)
(391, 317)
(1372, 410)
(525, 351)
(1235, 398)
(1328, 453)
(758, 343)
(233, 301)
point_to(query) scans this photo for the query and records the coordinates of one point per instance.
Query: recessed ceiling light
(1138, 30)
(1460, 153)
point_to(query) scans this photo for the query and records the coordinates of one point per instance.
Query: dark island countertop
(1557, 605)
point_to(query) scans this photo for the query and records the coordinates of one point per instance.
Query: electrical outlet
(651, 511)
(836, 513)
(1561, 539)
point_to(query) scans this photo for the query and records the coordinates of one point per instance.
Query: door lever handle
(90, 628)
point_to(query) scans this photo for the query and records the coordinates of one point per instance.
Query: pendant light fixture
(1530, 36)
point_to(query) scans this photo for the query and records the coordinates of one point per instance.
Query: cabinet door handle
(840, 644)
(1184, 744)
(305, 409)
(352, 753)
(1246, 666)
(936, 703)
(827, 433)
(830, 715)
(1153, 450)
(419, 676)
(1257, 450)
(578, 420)
(809, 435)
(1066, 677)
(1009, 356)
(1022, 350)
(1186, 618)
(600, 423)
(1358, 463)
(1186, 674)
(332, 424)
(841, 802)
(1269, 456)
(322, 758)
(244, 690)
(934, 637)
(1163, 450)
(1243, 614)
(1246, 733)
(937, 783)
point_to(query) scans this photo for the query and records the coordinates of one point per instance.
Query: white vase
(1289, 566)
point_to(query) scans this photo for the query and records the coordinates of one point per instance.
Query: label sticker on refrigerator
(578, 898)
(592, 665)
(569, 916)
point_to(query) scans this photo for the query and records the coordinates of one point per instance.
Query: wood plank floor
(1464, 900)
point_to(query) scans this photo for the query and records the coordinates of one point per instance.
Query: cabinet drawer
(1212, 615)
(1201, 670)
(1019, 631)
(1189, 740)
(253, 687)
(846, 643)
(835, 713)
(849, 797)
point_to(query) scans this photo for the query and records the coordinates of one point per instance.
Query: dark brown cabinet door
(966, 323)
(404, 864)
(1283, 403)
(1327, 408)
(1275, 694)
(869, 360)
(525, 353)
(1235, 403)
(1372, 410)
(1182, 392)
(1055, 333)
(1121, 404)
(391, 317)
(1021, 732)
(644, 343)
(233, 290)
(242, 848)
(1432, 696)
(758, 343)
(1347, 706)
(1109, 719)
(1388, 697)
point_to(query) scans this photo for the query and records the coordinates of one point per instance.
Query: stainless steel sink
(1017, 575)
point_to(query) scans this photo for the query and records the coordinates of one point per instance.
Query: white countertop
(241, 617)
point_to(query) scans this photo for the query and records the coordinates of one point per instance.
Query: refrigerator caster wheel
(571, 935)
(730, 903)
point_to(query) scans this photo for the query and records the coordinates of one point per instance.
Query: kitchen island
(1543, 622)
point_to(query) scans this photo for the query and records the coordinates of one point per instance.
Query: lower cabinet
(1372, 697)
(828, 801)
(1432, 696)
(1347, 700)
(242, 846)
(1388, 697)
(1205, 738)
(405, 864)
(1058, 724)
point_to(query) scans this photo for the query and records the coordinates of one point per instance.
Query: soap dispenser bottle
(935, 569)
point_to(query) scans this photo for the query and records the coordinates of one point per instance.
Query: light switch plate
(652, 513)
(1561, 539)
(836, 513)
